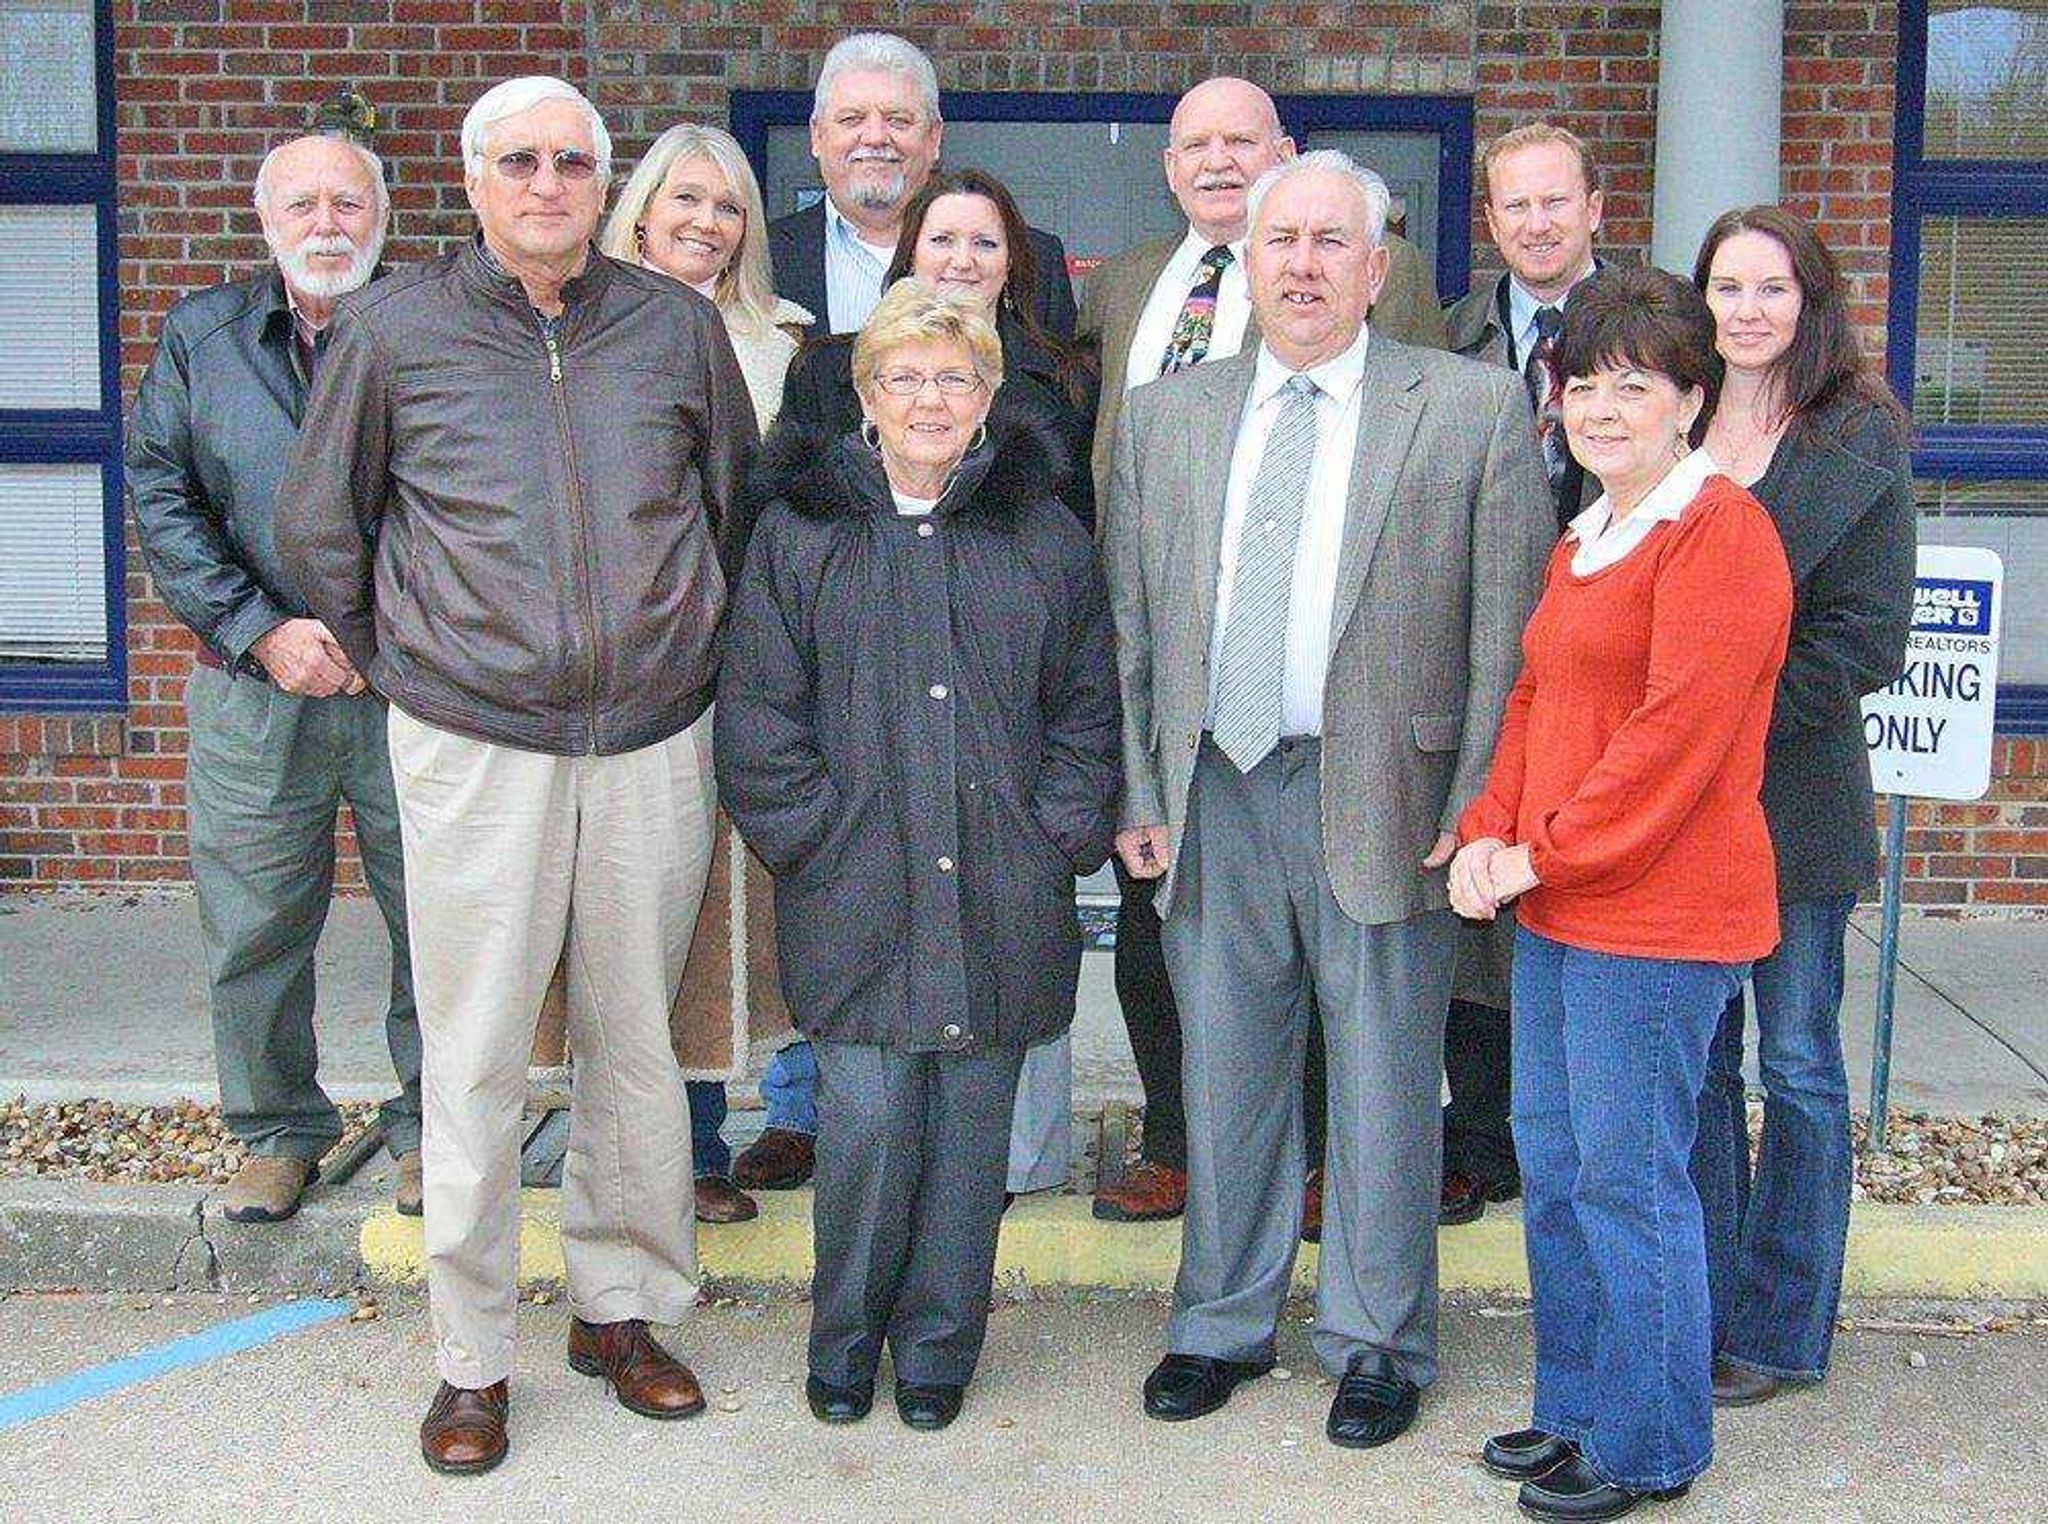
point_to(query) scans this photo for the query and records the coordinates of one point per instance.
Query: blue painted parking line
(195, 1349)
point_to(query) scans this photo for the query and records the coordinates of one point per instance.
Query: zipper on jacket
(578, 517)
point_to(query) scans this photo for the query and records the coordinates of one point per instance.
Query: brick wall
(206, 85)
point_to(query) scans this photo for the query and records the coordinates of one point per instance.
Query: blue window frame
(754, 112)
(1994, 197)
(78, 436)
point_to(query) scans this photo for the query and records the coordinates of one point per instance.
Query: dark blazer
(796, 247)
(819, 399)
(1840, 490)
(917, 724)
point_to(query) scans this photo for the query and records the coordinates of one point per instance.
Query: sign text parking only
(1929, 733)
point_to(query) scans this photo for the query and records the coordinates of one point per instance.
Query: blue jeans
(789, 1089)
(1609, 1056)
(709, 1152)
(1775, 1240)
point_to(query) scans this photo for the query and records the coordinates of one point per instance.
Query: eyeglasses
(571, 164)
(908, 383)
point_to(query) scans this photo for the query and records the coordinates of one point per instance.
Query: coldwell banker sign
(1929, 733)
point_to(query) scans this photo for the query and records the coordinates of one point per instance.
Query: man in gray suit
(1321, 554)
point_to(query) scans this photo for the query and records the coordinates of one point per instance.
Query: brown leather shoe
(1312, 1207)
(412, 1190)
(1147, 1193)
(646, 1378)
(464, 1431)
(267, 1188)
(719, 1200)
(779, 1160)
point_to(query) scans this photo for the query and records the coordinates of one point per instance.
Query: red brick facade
(205, 86)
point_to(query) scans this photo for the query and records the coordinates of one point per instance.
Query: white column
(1720, 69)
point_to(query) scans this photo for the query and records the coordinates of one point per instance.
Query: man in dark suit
(1542, 210)
(875, 132)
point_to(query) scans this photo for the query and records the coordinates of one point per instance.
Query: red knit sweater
(1632, 749)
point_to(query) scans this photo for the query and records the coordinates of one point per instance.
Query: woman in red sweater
(1621, 814)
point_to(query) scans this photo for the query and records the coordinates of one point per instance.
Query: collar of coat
(1023, 461)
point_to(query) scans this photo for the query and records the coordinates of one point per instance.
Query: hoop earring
(980, 437)
(871, 435)
(1681, 446)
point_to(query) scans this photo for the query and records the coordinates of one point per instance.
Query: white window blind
(48, 103)
(49, 307)
(53, 564)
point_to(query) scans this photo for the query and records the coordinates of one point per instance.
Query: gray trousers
(907, 1206)
(1254, 928)
(265, 776)
(1042, 1126)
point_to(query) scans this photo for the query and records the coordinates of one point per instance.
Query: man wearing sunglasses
(518, 478)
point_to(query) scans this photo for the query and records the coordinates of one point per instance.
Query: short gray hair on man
(523, 94)
(372, 166)
(1330, 161)
(877, 53)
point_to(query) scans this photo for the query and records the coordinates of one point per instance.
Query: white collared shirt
(1522, 308)
(1601, 544)
(1170, 293)
(853, 272)
(1312, 596)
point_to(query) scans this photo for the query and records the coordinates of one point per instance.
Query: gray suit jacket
(1445, 540)
(1118, 290)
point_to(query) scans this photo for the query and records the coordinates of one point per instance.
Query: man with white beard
(282, 727)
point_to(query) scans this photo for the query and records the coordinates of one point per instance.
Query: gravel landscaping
(1986, 1161)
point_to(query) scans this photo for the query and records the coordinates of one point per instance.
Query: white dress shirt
(1522, 306)
(1601, 544)
(1170, 293)
(853, 272)
(1312, 596)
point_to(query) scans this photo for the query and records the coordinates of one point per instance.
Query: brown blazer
(1118, 290)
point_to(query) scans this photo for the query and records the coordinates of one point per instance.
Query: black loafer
(1371, 1407)
(839, 1404)
(1189, 1386)
(928, 1405)
(1736, 1386)
(1573, 1490)
(1526, 1454)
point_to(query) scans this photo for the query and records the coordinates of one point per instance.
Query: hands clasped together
(1486, 874)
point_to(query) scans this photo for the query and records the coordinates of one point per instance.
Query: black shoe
(1526, 1454)
(1736, 1386)
(839, 1404)
(928, 1404)
(1190, 1386)
(1371, 1407)
(1574, 1490)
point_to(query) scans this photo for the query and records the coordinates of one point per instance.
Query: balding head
(324, 211)
(1225, 134)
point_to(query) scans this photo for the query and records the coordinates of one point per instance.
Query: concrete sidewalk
(104, 996)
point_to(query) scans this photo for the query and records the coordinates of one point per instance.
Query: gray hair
(523, 94)
(1330, 161)
(372, 166)
(877, 53)
(746, 281)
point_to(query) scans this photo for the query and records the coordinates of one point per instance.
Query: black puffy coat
(918, 733)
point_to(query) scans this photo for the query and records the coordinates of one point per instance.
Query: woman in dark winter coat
(917, 733)
(1812, 432)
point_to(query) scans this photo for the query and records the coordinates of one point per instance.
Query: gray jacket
(215, 420)
(1444, 545)
(516, 535)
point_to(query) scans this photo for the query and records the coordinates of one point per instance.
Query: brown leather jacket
(517, 536)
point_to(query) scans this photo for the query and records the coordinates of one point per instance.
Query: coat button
(952, 1031)
(937, 690)
(945, 865)
(925, 531)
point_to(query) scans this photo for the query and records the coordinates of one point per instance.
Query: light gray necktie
(1246, 722)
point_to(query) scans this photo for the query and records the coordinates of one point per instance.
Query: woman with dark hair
(1807, 426)
(1621, 811)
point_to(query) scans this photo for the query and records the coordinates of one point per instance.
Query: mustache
(874, 156)
(1219, 182)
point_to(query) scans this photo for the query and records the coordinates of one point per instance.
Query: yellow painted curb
(1052, 1241)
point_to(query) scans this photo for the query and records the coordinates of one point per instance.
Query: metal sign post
(1929, 735)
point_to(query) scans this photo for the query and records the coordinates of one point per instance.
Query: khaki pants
(506, 852)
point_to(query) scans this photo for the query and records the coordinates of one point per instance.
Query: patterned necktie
(1197, 320)
(1246, 723)
(1546, 394)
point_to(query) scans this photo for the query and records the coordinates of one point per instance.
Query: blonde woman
(692, 210)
